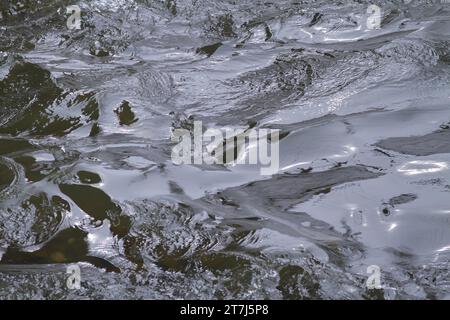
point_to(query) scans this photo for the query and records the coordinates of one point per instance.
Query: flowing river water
(87, 179)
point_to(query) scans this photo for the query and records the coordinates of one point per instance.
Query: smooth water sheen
(86, 174)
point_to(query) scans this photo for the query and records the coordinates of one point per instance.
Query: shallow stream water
(86, 175)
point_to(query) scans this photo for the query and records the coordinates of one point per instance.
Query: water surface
(86, 175)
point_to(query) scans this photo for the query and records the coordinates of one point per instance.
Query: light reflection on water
(417, 167)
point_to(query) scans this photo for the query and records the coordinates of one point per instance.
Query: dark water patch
(397, 201)
(95, 130)
(88, 177)
(429, 144)
(34, 171)
(209, 50)
(68, 246)
(402, 199)
(27, 90)
(9, 146)
(125, 114)
(284, 191)
(91, 200)
(6, 176)
(32, 104)
(35, 110)
(97, 204)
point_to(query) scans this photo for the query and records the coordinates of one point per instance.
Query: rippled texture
(86, 175)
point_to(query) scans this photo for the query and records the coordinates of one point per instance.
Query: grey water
(87, 178)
